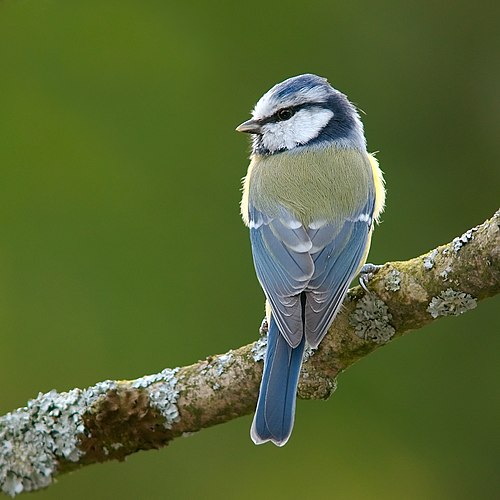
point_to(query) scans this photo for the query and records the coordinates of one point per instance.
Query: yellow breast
(312, 183)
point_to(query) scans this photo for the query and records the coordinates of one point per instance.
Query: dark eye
(285, 114)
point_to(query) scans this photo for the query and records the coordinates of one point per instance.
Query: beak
(250, 127)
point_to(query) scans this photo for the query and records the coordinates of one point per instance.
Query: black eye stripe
(279, 116)
(274, 118)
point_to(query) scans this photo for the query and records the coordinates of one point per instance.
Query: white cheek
(301, 128)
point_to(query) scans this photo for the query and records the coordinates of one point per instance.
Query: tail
(273, 420)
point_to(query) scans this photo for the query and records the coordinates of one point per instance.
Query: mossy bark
(124, 419)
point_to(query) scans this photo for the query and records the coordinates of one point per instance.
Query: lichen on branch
(56, 432)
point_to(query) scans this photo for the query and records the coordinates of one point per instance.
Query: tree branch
(58, 432)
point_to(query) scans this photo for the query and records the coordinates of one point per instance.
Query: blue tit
(310, 198)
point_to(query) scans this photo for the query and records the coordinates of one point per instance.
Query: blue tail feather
(273, 420)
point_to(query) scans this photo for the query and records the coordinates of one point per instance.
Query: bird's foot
(366, 274)
(264, 327)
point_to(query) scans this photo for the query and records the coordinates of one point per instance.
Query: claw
(264, 327)
(366, 274)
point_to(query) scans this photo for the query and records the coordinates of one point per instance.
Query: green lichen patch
(393, 281)
(445, 272)
(259, 349)
(163, 393)
(308, 353)
(34, 439)
(314, 385)
(371, 320)
(220, 365)
(222, 362)
(461, 241)
(451, 303)
(429, 259)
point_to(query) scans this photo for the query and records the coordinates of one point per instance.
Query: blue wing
(283, 263)
(335, 266)
(320, 260)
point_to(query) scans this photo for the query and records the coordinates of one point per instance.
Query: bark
(58, 432)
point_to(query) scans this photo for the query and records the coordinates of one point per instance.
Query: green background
(122, 251)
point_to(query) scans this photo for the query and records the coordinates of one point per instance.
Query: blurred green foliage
(122, 251)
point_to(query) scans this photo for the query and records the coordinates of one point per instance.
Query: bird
(311, 196)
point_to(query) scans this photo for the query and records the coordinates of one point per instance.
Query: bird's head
(303, 111)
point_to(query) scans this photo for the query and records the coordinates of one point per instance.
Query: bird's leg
(366, 274)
